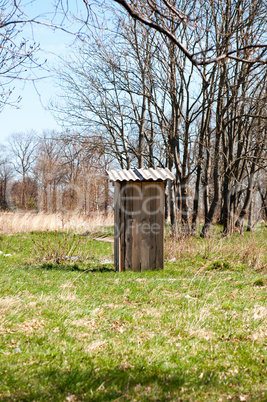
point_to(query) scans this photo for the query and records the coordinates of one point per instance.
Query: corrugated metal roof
(141, 174)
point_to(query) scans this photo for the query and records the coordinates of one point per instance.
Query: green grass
(74, 330)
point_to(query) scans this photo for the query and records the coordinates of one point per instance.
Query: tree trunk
(217, 189)
(264, 203)
(249, 227)
(240, 220)
(184, 210)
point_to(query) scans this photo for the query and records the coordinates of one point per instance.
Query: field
(72, 329)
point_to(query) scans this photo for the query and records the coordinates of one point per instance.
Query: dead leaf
(71, 398)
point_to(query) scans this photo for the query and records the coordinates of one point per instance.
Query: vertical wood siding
(139, 226)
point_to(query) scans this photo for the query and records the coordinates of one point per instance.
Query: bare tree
(22, 155)
(156, 15)
(17, 54)
(110, 88)
(48, 170)
(239, 93)
(85, 184)
(6, 174)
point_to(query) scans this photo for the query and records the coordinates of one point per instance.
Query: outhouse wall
(138, 225)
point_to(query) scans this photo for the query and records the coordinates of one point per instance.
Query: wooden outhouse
(139, 200)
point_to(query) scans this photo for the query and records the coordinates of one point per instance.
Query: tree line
(49, 173)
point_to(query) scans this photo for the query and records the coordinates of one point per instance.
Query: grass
(72, 329)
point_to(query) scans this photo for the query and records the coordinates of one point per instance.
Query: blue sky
(32, 113)
(35, 96)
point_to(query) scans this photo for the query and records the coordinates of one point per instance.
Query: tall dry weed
(23, 222)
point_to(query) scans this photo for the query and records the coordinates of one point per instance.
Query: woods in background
(53, 174)
(139, 93)
(67, 173)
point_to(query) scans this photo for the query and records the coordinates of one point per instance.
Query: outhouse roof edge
(158, 174)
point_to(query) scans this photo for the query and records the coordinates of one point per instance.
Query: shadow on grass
(122, 384)
(91, 384)
(49, 266)
(88, 380)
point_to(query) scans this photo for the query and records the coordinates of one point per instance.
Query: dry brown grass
(23, 222)
(236, 250)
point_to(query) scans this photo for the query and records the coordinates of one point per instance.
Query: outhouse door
(139, 225)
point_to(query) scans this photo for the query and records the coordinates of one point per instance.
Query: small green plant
(54, 247)
(221, 265)
(258, 282)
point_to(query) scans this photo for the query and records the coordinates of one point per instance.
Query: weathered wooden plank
(122, 225)
(145, 228)
(128, 225)
(117, 187)
(153, 232)
(136, 226)
(159, 221)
